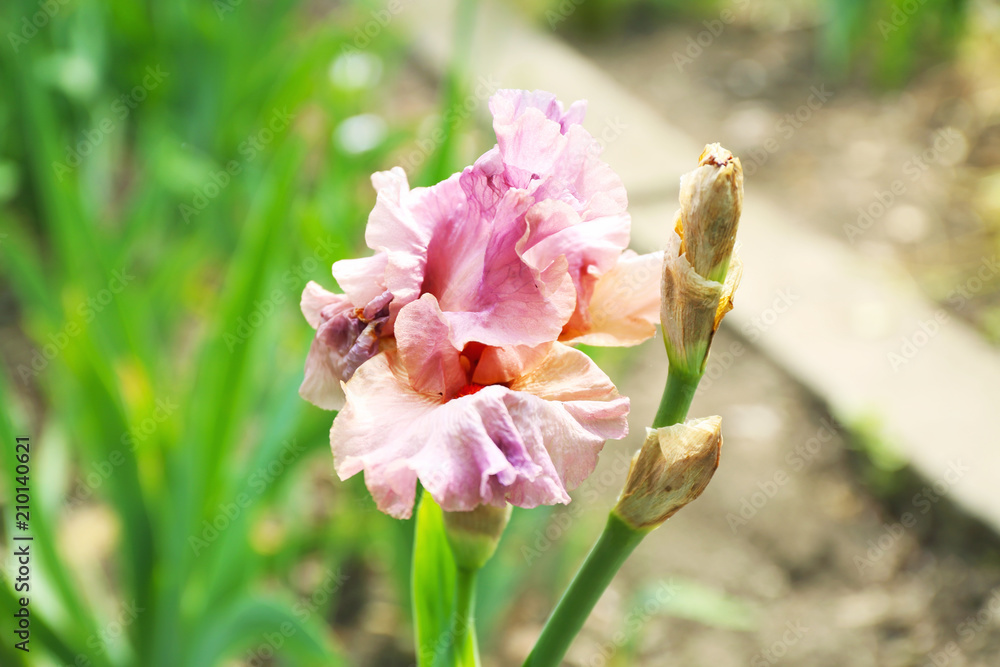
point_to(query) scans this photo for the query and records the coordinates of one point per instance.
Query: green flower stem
(677, 397)
(462, 619)
(613, 547)
(609, 553)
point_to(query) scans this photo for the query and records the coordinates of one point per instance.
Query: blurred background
(172, 174)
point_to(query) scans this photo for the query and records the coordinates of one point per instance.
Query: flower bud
(700, 269)
(711, 202)
(474, 535)
(671, 469)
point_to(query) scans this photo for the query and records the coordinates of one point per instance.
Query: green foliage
(168, 185)
(434, 591)
(889, 41)
(604, 18)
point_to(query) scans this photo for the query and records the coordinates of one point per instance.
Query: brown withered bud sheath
(711, 200)
(700, 269)
(672, 468)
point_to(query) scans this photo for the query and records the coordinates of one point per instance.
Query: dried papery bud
(700, 269)
(711, 202)
(692, 309)
(474, 535)
(671, 469)
(733, 278)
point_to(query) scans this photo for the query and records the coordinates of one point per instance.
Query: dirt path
(910, 173)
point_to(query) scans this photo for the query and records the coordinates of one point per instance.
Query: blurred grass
(170, 184)
(890, 41)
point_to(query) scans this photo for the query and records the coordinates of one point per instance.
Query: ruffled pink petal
(324, 365)
(321, 385)
(488, 292)
(591, 410)
(346, 337)
(362, 279)
(509, 103)
(431, 360)
(400, 228)
(464, 240)
(529, 142)
(315, 299)
(584, 180)
(556, 229)
(580, 209)
(625, 306)
(501, 365)
(550, 154)
(456, 254)
(397, 435)
(591, 247)
(494, 446)
(429, 209)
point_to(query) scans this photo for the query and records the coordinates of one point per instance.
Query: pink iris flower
(447, 353)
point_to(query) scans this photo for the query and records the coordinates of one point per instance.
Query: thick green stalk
(676, 400)
(614, 545)
(462, 620)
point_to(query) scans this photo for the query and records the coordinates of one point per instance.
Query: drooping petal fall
(527, 444)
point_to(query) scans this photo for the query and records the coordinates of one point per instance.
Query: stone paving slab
(853, 329)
